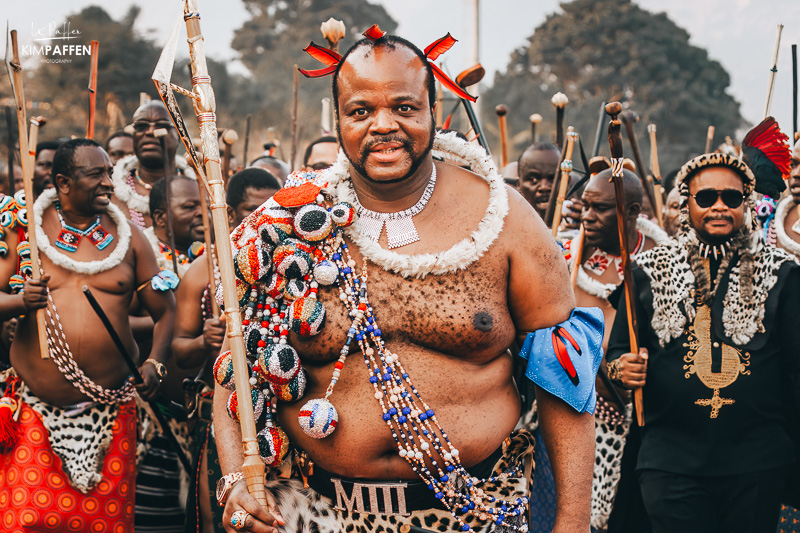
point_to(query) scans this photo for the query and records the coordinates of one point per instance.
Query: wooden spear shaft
(566, 168)
(709, 139)
(92, 91)
(577, 256)
(33, 138)
(10, 144)
(629, 119)
(656, 169)
(615, 143)
(501, 112)
(773, 71)
(205, 107)
(27, 175)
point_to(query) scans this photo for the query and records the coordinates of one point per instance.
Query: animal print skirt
(306, 511)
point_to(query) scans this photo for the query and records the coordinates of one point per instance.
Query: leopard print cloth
(80, 437)
(672, 283)
(306, 511)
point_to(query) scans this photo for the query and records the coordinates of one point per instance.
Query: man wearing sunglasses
(719, 358)
(135, 175)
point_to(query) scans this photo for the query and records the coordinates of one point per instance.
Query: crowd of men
(501, 373)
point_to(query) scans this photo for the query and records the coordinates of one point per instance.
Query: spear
(15, 73)
(709, 139)
(535, 119)
(204, 102)
(501, 112)
(656, 169)
(629, 118)
(92, 91)
(560, 102)
(773, 71)
(566, 168)
(577, 255)
(615, 142)
(161, 135)
(10, 145)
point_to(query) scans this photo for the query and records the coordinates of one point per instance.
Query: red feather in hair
(374, 33)
(439, 46)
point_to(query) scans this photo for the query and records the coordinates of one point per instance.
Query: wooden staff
(137, 377)
(629, 118)
(560, 102)
(10, 146)
(439, 106)
(794, 91)
(469, 77)
(295, 87)
(161, 135)
(204, 105)
(566, 168)
(773, 71)
(33, 139)
(325, 123)
(229, 138)
(247, 120)
(656, 169)
(535, 119)
(577, 256)
(15, 70)
(92, 91)
(501, 112)
(709, 139)
(615, 143)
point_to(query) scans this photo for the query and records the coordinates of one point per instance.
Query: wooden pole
(794, 92)
(161, 135)
(656, 169)
(566, 168)
(205, 107)
(629, 118)
(598, 136)
(27, 175)
(295, 88)
(577, 256)
(92, 91)
(229, 138)
(709, 139)
(10, 145)
(535, 119)
(501, 112)
(560, 102)
(773, 71)
(615, 143)
(33, 139)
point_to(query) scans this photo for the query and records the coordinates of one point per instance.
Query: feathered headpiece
(766, 151)
(432, 52)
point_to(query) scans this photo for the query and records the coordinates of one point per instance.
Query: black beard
(407, 144)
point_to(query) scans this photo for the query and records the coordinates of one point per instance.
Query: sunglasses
(708, 197)
(142, 126)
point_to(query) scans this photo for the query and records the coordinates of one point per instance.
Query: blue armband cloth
(564, 359)
(165, 280)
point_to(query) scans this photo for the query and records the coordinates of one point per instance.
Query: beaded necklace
(65, 362)
(69, 237)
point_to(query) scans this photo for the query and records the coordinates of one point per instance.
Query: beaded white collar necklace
(400, 228)
(460, 255)
(48, 198)
(127, 194)
(789, 244)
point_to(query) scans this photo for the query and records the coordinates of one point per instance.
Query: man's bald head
(599, 213)
(147, 119)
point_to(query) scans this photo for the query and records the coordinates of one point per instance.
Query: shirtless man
(84, 387)
(536, 171)
(135, 175)
(198, 339)
(786, 224)
(451, 330)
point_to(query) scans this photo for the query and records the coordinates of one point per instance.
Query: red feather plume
(439, 46)
(562, 355)
(326, 56)
(446, 123)
(374, 33)
(769, 140)
(450, 84)
(563, 333)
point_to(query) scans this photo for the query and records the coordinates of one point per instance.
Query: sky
(740, 34)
